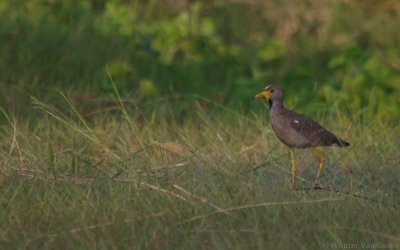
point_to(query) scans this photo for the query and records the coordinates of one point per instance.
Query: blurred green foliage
(340, 52)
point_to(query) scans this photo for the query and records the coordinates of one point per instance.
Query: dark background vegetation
(340, 52)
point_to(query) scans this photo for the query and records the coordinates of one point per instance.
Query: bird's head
(271, 93)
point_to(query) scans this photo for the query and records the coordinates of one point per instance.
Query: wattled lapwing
(297, 131)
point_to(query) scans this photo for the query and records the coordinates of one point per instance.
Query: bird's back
(299, 131)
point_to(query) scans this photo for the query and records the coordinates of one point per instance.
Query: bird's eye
(272, 91)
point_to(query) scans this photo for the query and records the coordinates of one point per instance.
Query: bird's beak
(264, 94)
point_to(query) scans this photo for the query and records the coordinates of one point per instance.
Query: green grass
(216, 179)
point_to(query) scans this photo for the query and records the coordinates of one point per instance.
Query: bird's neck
(275, 105)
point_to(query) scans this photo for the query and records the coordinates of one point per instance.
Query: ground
(217, 179)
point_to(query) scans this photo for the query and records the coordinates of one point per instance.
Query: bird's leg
(293, 166)
(321, 165)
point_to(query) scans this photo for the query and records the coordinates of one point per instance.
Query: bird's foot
(293, 183)
(316, 186)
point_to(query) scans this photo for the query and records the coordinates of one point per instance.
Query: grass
(216, 179)
(164, 171)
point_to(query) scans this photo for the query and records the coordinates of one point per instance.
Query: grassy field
(180, 157)
(214, 178)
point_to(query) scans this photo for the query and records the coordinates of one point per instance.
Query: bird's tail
(341, 143)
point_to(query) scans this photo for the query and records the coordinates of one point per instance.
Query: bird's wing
(310, 129)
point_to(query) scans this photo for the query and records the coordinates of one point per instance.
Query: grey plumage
(295, 130)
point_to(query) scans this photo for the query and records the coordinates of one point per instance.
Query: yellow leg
(293, 166)
(321, 164)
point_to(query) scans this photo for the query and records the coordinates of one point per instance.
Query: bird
(296, 130)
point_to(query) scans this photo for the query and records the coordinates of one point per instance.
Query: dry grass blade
(91, 227)
(15, 143)
(164, 191)
(202, 199)
(348, 193)
(281, 203)
(261, 205)
(173, 148)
